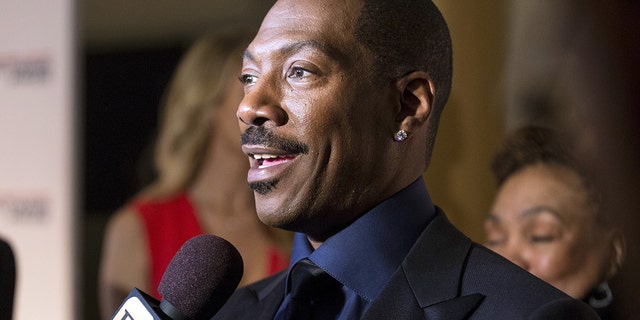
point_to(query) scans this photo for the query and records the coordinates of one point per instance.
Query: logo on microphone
(133, 309)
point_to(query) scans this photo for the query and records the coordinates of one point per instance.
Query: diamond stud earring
(401, 135)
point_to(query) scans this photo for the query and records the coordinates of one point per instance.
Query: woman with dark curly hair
(547, 217)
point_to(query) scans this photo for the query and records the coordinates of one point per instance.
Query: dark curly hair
(527, 146)
(531, 145)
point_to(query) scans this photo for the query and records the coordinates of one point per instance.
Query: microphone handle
(171, 311)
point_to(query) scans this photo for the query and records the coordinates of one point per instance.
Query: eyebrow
(292, 48)
(540, 209)
(533, 211)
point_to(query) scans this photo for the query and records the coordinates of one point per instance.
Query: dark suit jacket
(444, 276)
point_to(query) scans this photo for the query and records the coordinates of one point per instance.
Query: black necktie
(308, 283)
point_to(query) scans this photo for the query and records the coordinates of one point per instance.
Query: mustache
(263, 136)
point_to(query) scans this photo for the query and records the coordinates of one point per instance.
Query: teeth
(266, 156)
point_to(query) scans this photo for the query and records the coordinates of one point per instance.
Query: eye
(299, 73)
(495, 239)
(247, 79)
(494, 234)
(542, 238)
(544, 230)
(494, 242)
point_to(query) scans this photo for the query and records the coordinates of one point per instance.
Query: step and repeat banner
(38, 162)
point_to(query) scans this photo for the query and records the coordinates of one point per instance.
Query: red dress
(169, 224)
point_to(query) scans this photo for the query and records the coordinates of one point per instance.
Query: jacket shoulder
(512, 291)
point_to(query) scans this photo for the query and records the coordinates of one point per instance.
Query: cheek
(572, 271)
(549, 263)
(317, 113)
(333, 120)
(559, 262)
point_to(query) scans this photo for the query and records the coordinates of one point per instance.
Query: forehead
(547, 179)
(542, 186)
(328, 23)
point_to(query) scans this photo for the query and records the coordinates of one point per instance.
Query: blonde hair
(187, 113)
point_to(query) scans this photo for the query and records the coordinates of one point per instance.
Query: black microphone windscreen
(7, 280)
(202, 276)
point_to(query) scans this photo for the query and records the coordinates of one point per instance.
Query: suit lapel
(456, 308)
(429, 279)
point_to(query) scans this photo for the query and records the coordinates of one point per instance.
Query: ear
(618, 249)
(416, 100)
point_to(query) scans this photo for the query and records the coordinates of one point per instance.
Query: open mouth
(265, 160)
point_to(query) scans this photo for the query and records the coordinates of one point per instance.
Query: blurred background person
(546, 217)
(578, 73)
(200, 185)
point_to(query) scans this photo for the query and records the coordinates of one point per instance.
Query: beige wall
(459, 178)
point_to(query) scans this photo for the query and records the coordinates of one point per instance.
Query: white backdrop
(37, 153)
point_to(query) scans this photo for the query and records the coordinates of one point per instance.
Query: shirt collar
(364, 255)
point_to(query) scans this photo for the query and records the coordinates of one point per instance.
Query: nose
(262, 106)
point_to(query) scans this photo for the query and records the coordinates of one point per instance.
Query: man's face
(315, 127)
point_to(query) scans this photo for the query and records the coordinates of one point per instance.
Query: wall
(459, 178)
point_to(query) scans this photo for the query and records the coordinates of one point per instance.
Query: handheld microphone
(197, 282)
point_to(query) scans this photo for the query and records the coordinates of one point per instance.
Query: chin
(277, 220)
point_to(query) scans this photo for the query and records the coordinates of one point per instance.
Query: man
(341, 107)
